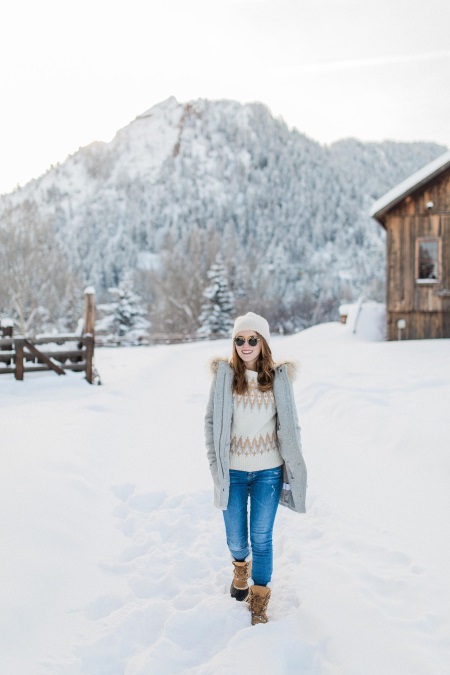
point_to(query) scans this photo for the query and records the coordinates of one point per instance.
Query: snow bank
(114, 557)
(367, 320)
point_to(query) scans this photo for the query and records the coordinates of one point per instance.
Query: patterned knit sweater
(254, 444)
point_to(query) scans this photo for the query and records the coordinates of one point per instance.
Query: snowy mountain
(183, 182)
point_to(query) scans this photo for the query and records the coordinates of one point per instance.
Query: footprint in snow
(178, 613)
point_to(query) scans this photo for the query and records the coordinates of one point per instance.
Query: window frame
(419, 241)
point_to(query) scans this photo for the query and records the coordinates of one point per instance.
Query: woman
(254, 452)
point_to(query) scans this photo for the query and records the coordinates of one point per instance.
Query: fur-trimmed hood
(215, 362)
(292, 366)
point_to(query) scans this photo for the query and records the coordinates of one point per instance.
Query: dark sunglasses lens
(253, 341)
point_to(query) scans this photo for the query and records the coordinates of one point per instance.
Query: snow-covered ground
(114, 559)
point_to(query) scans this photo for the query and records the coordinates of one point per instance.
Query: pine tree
(218, 308)
(128, 315)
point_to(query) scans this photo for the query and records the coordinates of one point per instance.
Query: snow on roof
(402, 190)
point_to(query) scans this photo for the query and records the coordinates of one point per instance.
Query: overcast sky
(75, 72)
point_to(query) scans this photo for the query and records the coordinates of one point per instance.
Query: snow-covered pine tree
(216, 318)
(127, 314)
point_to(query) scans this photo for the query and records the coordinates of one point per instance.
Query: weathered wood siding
(425, 306)
(419, 325)
(436, 191)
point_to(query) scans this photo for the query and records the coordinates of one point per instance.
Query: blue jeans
(264, 489)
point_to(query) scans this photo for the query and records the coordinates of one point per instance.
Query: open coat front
(218, 419)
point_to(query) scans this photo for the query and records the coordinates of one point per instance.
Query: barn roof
(411, 184)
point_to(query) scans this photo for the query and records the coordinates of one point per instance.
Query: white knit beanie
(252, 321)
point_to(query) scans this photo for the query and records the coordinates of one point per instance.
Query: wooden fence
(71, 351)
(20, 355)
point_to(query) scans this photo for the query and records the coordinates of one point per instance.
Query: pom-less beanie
(252, 321)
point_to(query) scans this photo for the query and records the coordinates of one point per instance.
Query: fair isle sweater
(218, 419)
(254, 444)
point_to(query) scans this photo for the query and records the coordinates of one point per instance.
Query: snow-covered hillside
(114, 559)
(182, 181)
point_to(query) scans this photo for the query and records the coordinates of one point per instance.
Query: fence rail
(151, 339)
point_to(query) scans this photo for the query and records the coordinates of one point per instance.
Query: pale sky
(74, 72)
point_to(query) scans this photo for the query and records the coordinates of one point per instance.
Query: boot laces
(259, 604)
(241, 572)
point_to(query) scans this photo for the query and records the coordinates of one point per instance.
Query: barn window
(428, 251)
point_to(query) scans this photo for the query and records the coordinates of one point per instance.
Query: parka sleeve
(295, 418)
(295, 473)
(209, 431)
(297, 422)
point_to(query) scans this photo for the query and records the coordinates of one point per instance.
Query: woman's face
(246, 353)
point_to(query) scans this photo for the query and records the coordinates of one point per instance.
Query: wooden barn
(416, 217)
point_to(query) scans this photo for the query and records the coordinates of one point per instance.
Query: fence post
(89, 331)
(89, 311)
(19, 345)
(6, 328)
(89, 342)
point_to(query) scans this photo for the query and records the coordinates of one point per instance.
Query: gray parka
(218, 419)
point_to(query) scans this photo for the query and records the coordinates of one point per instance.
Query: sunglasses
(252, 341)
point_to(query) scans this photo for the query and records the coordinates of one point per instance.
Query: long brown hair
(264, 366)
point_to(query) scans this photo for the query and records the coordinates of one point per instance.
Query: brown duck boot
(239, 585)
(258, 600)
